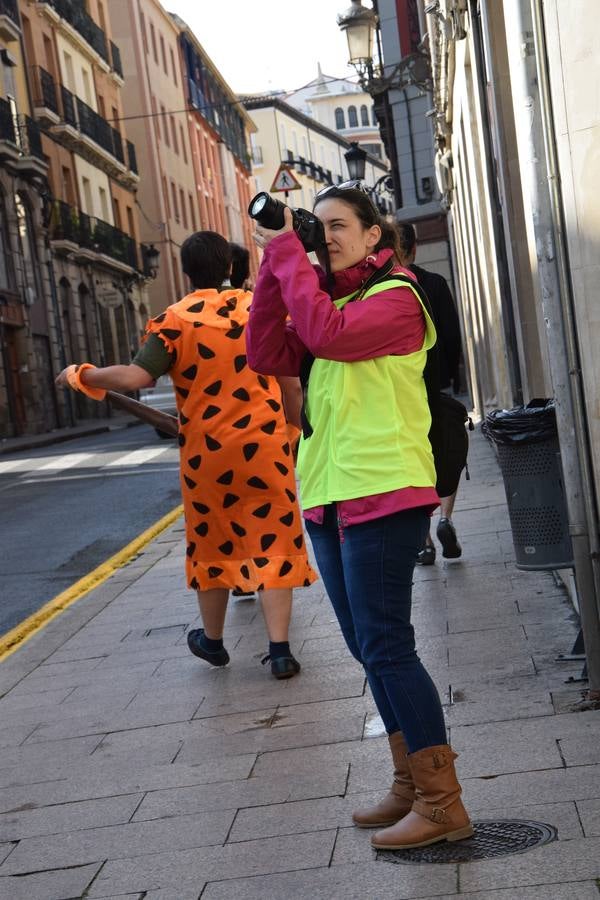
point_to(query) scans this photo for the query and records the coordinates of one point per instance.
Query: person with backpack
(367, 477)
(447, 326)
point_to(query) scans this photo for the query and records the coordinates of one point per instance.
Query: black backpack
(448, 436)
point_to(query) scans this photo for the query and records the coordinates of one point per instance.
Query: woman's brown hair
(368, 214)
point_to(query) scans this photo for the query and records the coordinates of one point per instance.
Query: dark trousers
(367, 570)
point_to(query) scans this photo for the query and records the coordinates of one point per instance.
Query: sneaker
(426, 557)
(446, 534)
(194, 642)
(282, 666)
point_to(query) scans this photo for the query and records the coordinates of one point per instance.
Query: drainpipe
(540, 177)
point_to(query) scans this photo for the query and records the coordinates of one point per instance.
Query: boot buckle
(438, 815)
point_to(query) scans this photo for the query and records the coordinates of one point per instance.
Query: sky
(260, 45)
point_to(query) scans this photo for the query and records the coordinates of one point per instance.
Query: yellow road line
(25, 630)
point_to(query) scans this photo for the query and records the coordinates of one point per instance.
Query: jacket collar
(352, 279)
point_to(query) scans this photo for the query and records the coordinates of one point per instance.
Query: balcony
(45, 97)
(75, 232)
(81, 128)
(72, 13)
(21, 142)
(10, 28)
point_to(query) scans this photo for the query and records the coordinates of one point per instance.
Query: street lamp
(356, 159)
(359, 24)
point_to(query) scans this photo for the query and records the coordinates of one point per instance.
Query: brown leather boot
(399, 800)
(437, 813)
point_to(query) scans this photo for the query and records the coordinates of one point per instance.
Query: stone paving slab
(372, 880)
(187, 869)
(57, 885)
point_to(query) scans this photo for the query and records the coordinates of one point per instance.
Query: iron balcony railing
(67, 223)
(73, 12)
(79, 115)
(44, 89)
(10, 8)
(30, 138)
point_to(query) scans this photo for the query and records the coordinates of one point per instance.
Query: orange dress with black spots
(243, 524)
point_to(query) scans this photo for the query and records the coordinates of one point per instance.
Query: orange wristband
(75, 382)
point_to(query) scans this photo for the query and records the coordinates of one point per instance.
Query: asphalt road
(66, 508)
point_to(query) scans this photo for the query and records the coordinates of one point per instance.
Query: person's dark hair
(407, 238)
(206, 259)
(240, 265)
(368, 214)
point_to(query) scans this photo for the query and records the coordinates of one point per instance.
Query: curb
(25, 630)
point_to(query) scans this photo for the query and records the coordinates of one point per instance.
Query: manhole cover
(490, 839)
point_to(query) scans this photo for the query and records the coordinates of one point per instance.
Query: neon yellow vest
(370, 423)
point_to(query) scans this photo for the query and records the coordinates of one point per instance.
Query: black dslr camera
(268, 212)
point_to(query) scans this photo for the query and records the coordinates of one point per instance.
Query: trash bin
(526, 441)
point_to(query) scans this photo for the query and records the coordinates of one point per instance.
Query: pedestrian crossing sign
(285, 180)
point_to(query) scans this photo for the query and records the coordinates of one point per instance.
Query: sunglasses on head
(354, 185)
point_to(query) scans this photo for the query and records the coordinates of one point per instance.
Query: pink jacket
(390, 323)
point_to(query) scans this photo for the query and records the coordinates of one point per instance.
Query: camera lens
(267, 211)
(257, 205)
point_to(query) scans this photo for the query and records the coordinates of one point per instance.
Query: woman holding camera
(367, 477)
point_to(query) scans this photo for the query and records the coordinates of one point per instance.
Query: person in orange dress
(243, 525)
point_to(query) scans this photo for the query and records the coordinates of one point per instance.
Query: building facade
(75, 276)
(343, 106)
(313, 151)
(219, 129)
(155, 106)
(517, 130)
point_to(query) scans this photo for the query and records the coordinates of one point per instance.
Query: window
(117, 213)
(352, 117)
(192, 212)
(182, 206)
(182, 139)
(67, 186)
(144, 36)
(175, 203)
(130, 222)
(6, 270)
(175, 263)
(340, 119)
(166, 197)
(163, 54)
(87, 90)
(101, 106)
(87, 197)
(165, 125)
(104, 204)
(174, 134)
(153, 39)
(173, 66)
(364, 115)
(373, 116)
(66, 309)
(31, 268)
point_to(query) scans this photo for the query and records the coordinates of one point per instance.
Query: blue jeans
(367, 570)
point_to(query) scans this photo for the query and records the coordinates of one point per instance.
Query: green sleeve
(154, 357)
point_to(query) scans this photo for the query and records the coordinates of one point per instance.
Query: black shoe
(243, 595)
(427, 556)
(446, 534)
(282, 666)
(215, 658)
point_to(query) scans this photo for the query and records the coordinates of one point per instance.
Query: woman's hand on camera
(262, 236)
